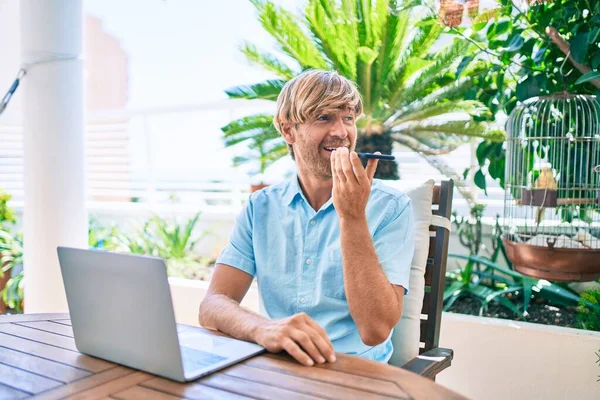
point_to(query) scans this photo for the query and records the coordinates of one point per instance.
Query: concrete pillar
(53, 126)
(10, 46)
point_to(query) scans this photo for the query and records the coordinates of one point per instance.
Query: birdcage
(552, 182)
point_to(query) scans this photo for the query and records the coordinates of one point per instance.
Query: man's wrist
(353, 222)
(255, 329)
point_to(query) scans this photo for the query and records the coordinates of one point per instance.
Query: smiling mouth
(330, 149)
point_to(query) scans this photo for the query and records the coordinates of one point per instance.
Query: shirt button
(308, 261)
(303, 300)
(313, 222)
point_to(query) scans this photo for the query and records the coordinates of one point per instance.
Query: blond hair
(313, 93)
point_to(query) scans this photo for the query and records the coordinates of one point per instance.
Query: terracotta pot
(554, 263)
(257, 187)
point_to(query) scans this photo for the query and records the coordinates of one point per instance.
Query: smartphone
(377, 156)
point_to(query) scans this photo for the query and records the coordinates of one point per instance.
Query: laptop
(121, 311)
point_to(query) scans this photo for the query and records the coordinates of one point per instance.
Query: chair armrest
(430, 363)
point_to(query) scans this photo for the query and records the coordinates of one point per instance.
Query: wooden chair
(433, 359)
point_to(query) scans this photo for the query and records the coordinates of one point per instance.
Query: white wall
(500, 359)
(187, 296)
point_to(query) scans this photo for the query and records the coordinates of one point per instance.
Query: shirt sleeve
(394, 243)
(239, 252)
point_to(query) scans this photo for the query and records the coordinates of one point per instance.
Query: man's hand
(300, 336)
(351, 183)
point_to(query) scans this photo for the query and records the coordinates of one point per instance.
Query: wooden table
(38, 357)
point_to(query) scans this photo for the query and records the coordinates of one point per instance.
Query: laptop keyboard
(196, 359)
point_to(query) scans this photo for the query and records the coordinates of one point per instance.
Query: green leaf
(480, 181)
(291, 37)
(453, 289)
(268, 61)
(593, 35)
(528, 88)
(267, 90)
(588, 77)
(496, 169)
(463, 64)
(482, 151)
(515, 43)
(538, 54)
(579, 47)
(367, 55)
(465, 173)
(596, 60)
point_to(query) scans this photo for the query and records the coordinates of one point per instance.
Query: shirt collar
(292, 191)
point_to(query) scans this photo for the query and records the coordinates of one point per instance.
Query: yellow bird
(544, 181)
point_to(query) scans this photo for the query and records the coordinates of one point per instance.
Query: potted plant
(11, 257)
(7, 219)
(257, 180)
(412, 90)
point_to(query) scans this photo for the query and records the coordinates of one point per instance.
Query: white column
(53, 125)
(10, 45)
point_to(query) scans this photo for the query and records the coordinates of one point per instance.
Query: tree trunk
(383, 143)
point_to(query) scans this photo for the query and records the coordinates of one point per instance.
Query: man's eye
(323, 118)
(349, 118)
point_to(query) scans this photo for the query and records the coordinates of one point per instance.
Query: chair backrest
(435, 271)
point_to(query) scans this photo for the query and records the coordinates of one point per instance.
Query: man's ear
(288, 132)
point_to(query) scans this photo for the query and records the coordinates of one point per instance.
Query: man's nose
(339, 129)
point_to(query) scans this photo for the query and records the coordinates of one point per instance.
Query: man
(331, 248)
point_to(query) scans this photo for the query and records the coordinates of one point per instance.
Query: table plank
(116, 385)
(142, 393)
(54, 353)
(299, 384)
(86, 383)
(49, 326)
(41, 366)
(266, 390)
(379, 386)
(9, 393)
(25, 381)
(39, 336)
(191, 391)
(414, 385)
(31, 317)
(66, 322)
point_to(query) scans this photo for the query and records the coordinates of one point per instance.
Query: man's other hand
(300, 336)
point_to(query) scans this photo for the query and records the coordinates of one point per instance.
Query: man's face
(315, 140)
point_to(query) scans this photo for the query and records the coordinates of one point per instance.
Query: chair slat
(435, 269)
(426, 301)
(423, 336)
(436, 195)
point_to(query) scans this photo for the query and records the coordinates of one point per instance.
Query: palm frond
(245, 124)
(334, 38)
(292, 39)
(468, 128)
(418, 43)
(268, 61)
(454, 90)
(267, 90)
(393, 33)
(422, 146)
(421, 80)
(470, 107)
(257, 135)
(363, 19)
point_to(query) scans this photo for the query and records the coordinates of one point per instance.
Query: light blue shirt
(295, 254)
